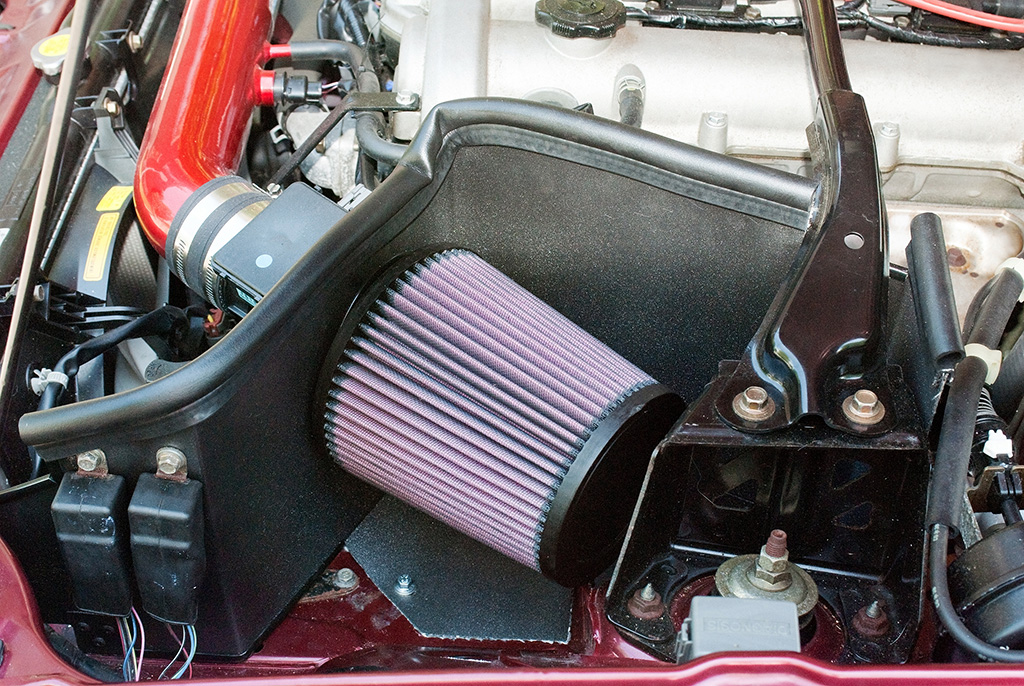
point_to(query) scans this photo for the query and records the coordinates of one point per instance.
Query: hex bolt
(90, 460)
(753, 404)
(405, 97)
(713, 131)
(864, 408)
(345, 579)
(645, 603)
(134, 41)
(405, 586)
(772, 572)
(871, 621)
(112, 108)
(776, 545)
(169, 460)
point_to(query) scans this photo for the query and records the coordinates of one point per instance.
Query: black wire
(847, 16)
(947, 612)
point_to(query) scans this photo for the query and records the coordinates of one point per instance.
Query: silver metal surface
(192, 222)
(462, 588)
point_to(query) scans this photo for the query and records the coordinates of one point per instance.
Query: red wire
(970, 16)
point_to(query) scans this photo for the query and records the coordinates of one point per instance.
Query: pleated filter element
(468, 397)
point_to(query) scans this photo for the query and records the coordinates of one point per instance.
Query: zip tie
(1017, 265)
(992, 358)
(44, 377)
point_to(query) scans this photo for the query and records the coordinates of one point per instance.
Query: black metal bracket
(822, 339)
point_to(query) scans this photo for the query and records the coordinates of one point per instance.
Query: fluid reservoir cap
(48, 54)
(582, 18)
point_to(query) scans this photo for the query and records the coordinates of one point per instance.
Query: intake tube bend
(200, 122)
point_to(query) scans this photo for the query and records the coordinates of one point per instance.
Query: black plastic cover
(166, 519)
(253, 261)
(88, 513)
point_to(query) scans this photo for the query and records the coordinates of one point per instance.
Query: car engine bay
(511, 340)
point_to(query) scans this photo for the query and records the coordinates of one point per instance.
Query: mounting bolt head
(405, 97)
(169, 460)
(134, 41)
(754, 404)
(405, 586)
(112, 108)
(345, 579)
(864, 408)
(91, 460)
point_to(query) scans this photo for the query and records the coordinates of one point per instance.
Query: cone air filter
(464, 395)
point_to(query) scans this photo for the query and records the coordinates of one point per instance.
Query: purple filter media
(468, 397)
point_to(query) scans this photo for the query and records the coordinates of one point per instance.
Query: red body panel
(32, 21)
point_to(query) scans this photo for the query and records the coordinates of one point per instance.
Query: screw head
(405, 586)
(405, 97)
(91, 460)
(716, 119)
(753, 404)
(169, 460)
(134, 41)
(864, 408)
(112, 108)
(345, 578)
(889, 129)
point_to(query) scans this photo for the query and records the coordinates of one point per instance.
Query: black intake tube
(933, 290)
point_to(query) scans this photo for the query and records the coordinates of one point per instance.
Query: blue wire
(191, 631)
(129, 672)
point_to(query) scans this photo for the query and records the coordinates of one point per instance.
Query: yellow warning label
(55, 45)
(114, 198)
(96, 262)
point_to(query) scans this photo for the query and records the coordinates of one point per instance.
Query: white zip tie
(992, 358)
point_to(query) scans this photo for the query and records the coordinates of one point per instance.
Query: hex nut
(864, 408)
(169, 460)
(753, 404)
(646, 603)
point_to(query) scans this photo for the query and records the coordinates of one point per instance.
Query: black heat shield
(651, 245)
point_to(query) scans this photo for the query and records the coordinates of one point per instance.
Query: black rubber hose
(947, 612)
(353, 21)
(160, 322)
(369, 133)
(79, 660)
(952, 458)
(332, 50)
(933, 290)
(995, 311)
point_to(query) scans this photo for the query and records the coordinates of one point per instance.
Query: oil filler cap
(582, 18)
